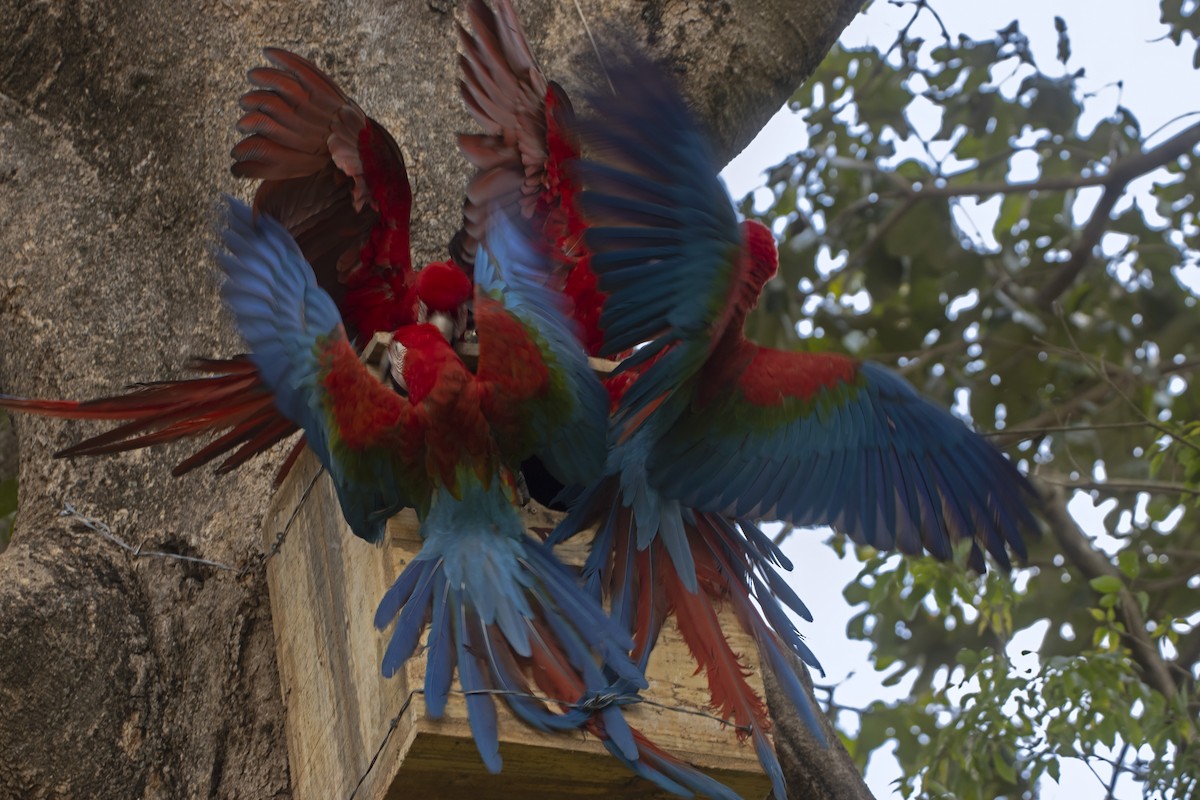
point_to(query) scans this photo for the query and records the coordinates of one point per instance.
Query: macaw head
(761, 260)
(415, 358)
(759, 244)
(443, 290)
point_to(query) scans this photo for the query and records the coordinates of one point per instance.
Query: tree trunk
(125, 676)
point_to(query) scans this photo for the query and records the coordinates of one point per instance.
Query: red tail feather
(696, 616)
(231, 400)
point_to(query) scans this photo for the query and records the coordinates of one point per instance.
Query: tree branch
(1081, 253)
(1118, 178)
(1114, 182)
(1093, 564)
(811, 771)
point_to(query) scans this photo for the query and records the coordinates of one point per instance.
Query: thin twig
(1102, 370)
(1087, 762)
(1095, 394)
(1031, 433)
(1128, 485)
(281, 536)
(1117, 770)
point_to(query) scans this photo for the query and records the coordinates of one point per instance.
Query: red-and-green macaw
(710, 426)
(490, 594)
(336, 179)
(525, 160)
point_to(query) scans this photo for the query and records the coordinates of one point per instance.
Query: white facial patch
(395, 356)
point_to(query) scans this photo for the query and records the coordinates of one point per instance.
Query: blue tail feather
(487, 582)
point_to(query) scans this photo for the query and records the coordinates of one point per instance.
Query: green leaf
(1106, 584)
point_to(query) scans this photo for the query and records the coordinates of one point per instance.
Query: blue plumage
(571, 426)
(494, 600)
(274, 295)
(714, 427)
(660, 221)
(291, 327)
(871, 458)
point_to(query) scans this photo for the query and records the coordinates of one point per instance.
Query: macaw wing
(335, 178)
(541, 396)
(369, 438)
(662, 231)
(823, 439)
(526, 121)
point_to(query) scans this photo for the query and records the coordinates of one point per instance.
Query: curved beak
(446, 324)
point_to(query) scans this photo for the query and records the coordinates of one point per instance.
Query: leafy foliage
(997, 257)
(1181, 18)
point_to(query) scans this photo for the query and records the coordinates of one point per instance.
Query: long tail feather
(497, 598)
(731, 566)
(230, 402)
(556, 677)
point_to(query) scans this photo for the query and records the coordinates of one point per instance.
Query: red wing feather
(525, 119)
(335, 178)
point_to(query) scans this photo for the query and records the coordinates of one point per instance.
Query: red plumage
(696, 616)
(231, 398)
(524, 155)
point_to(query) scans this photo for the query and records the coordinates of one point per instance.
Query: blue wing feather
(569, 424)
(662, 230)
(288, 323)
(869, 456)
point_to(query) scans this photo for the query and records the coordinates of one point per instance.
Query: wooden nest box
(325, 585)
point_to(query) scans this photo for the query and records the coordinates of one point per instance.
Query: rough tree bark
(151, 677)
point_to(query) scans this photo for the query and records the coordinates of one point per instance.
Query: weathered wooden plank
(325, 585)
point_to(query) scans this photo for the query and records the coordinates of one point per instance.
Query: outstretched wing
(822, 439)
(541, 396)
(663, 234)
(520, 156)
(369, 438)
(335, 178)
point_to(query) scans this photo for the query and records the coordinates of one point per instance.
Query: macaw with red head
(709, 427)
(490, 595)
